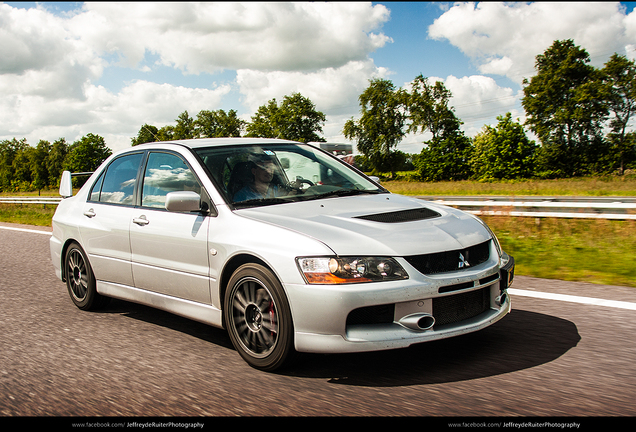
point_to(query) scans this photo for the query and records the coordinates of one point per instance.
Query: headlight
(342, 270)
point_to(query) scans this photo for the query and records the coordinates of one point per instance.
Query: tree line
(580, 115)
(27, 168)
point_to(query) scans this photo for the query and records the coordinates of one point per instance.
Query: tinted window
(97, 188)
(272, 174)
(166, 172)
(118, 184)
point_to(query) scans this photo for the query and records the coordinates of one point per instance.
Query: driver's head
(264, 166)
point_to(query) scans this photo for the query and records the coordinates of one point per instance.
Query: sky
(107, 68)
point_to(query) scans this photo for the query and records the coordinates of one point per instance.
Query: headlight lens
(342, 270)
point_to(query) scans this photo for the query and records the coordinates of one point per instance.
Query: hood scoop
(402, 216)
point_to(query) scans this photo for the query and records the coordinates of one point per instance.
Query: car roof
(210, 142)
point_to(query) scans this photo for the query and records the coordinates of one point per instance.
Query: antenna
(145, 126)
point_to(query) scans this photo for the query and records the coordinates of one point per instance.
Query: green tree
(22, 174)
(295, 119)
(39, 165)
(380, 127)
(166, 133)
(55, 161)
(565, 108)
(9, 150)
(147, 133)
(185, 127)
(86, 154)
(503, 152)
(446, 157)
(428, 108)
(264, 123)
(216, 124)
(619, 77)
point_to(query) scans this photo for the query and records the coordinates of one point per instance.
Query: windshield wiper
(347, 192)
(262, 202)
(292, 198)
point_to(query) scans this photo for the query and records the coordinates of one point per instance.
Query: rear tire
(80, 280)
(258, 318)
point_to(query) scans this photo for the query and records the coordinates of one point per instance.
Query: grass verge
(28, 214)
(587, 186)
(595, 251)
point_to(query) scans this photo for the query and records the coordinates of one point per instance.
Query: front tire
(258, 318)
(80, 280)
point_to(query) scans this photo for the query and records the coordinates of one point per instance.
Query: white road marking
(574, 299)
(26, 230)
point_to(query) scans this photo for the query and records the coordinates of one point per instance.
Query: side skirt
(204, 313)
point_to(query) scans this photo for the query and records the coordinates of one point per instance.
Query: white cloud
(52, 62)
(504, 38)
(29, 40)
(116, 117)
(332, 90)
(207, 37)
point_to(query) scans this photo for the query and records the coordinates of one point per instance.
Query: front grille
(446, 310)
(455, 308)
(402, 216)
(460, 259)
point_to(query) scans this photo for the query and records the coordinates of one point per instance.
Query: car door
(169, 249)
(106, 220)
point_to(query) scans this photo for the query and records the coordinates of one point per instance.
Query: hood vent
(402, 216)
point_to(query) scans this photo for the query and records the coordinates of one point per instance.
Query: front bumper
(323, 324)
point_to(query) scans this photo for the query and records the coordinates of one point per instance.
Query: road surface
(549, 358)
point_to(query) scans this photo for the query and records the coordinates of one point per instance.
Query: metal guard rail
(619, 208)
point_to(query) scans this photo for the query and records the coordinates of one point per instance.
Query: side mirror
(375, 179)
(183, 201)
(66, 185)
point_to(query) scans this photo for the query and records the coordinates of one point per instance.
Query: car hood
(336, 222)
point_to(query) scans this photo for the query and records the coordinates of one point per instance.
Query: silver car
(281, 243)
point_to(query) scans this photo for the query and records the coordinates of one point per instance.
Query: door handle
(141, 220)
(90, 213)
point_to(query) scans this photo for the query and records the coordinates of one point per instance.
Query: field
(596, 251)
(588, 186)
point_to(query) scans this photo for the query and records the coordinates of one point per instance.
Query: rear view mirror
(183, 201)
(66, 185)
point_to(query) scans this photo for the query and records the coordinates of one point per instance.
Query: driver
(261, 186)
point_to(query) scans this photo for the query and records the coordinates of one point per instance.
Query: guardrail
(620, 208)
(31, 200)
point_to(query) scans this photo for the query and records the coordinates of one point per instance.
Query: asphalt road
(548, 358)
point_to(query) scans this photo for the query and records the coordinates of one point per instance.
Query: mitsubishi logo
(462, 261)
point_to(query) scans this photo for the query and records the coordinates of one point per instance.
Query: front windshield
(250, 176)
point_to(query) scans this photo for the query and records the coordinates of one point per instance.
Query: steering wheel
(297, 185)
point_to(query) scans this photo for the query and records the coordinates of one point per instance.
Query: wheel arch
(65, 247)
(230, 267)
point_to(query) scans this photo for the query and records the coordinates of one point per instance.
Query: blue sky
(107, 68)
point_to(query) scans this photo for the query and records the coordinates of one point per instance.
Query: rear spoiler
(66, 185)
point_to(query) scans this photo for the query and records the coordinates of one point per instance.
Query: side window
(166, 172)
(97, 188)
(118, 184)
